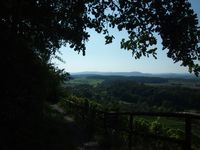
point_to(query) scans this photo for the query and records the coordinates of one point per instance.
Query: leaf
(109, 39)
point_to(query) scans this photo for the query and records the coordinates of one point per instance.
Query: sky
(110, 58)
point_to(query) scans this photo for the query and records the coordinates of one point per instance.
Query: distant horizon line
(130, 72)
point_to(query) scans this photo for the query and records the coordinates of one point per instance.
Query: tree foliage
(174, 21)
(45, 25)
(32, 31)
(136, 94)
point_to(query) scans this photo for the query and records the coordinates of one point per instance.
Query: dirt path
(79, 135)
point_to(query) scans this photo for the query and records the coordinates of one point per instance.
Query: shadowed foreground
(53, 133)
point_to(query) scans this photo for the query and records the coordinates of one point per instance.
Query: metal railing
(185, 143)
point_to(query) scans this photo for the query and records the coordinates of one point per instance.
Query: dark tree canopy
(44, 25)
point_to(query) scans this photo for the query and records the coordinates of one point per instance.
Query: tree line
(137, 96)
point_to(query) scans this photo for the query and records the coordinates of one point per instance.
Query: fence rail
(188, 118)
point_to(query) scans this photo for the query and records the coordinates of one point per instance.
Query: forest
(139, 93)
(125, 95)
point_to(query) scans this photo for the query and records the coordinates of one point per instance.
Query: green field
(95, 80)
(85, 80)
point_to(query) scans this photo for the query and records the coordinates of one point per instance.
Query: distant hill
(138, 74)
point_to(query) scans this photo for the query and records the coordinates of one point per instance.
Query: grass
(166, 122)
(173, 123)
(84, 80)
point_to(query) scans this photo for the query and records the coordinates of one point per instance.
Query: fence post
(188, 133)
(104, 122)
(130, 131)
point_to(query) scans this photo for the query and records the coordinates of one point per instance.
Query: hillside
(134, 73)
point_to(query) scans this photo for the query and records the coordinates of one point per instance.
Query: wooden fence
(186, 143)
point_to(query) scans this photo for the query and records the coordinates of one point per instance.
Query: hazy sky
(110, 58)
